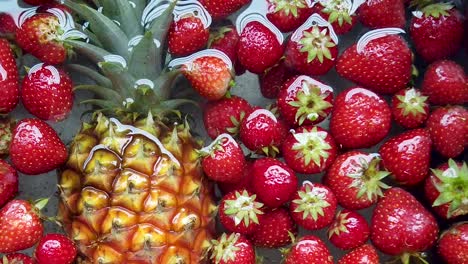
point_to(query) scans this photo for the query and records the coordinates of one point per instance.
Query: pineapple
(133, 190)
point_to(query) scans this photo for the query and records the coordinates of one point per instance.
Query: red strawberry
(226, 39)
(453, 244)
(382, 14)
(383, 65)
(7, 24)
(232, 249)
(210, 75)
(8, 182)
(305, 101)
(187, 35)
(275, 229)
(55, 249)
(355, 178)
(234, 109)
(313, 206)
(309, 150)
(410, 108)
(47, 92)
(41, 35)
(16, 258)
(448, 127)
(240, 211)
(273, 182)
(445, 83)
(9, 86)
(339, 13)
(273, 79)
(407, 156)
(223, 160)
(36, 147)
(6, 128)
(38, 2)
(362, 255)
(18, 218)
(349, 230)
(288, 15)
(447, 189)
(312, 51)
(259, 48)
(360, 118)
(261, 131)
(401, 225)
(220, 9)
(308, 249)
(244, 183)
(45, 7)
(437, 31)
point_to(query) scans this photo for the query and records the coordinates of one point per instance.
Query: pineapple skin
(135, 193)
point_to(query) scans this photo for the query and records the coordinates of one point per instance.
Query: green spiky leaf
(123, 12)
(144, 58)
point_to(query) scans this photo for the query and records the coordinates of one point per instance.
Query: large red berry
(47, 92)
(288, 15)
(7, 24)
(382, 64)
(448, 127)
(401, 225)
(36, 148)
(220, 9)
(453, 244)
(225, 39)
(356, 178)
(313, 206)
(232, 249)
(410, 108)
(273, 181)
(244, 183)
(16, 258)
(55, 249)
(383, 14)
(362, 255)
(309, 150)
(9, 86)
(273, 79)
(308, 249)
(437, 31)
(8, 182)
(349, 230)
(360, 118)
(445, 83)
(339, 13)
(407, 156)
(275, 229)
(187, 35)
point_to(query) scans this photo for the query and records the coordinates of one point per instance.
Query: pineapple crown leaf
(123, 13)
(90, 73)
(103, 92)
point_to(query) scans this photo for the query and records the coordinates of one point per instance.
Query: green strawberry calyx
(453, 188)
(244, 208)
(437, 10)
(339, 225)
(412, 102)
(311, 202)
(317, 43)
(224, 248)
(338, 11)
(288, 6)
(312, 146)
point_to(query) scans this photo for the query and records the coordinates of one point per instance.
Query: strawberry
(273, 79)
(226, 39)
(259, 48)
(312, 50)
(187, 35)
(9, 86)
(234, 109)
(7, 24)
(16, 258)
(45, 7)
(437, 31)
(36, 147)
(220, 9)
(410, 108)
(223, 160)
(313, 206)
(448, 127)
(47, 92)
(305, 101)
(349, 230)
(6, 128)
(360, 118)
(382, 14)
(453, 244)
(55, 249)
(240, 211)
(210, 75)
(275, 229)
(38, 2)
(288, 15)
(8, 182)
(400, 225)
(261, 131)
(447, 189)
(17, 218)
(445, 83)
(308, 249)
(273, 182)
(365, 254)
(309, 150)
(232, 249)
(407, 156)
(355, 178)
(339, 13)
(382, 65)
(244, 183)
